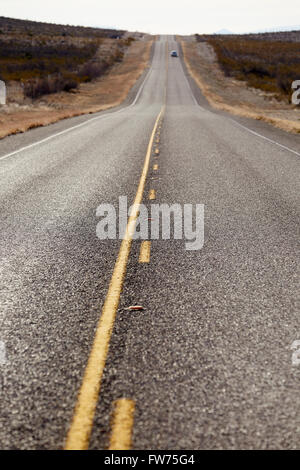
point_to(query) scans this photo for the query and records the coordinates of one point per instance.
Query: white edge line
(241, 125)
(15, 152)
(265, 138)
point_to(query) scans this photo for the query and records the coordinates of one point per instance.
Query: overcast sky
(160, 16)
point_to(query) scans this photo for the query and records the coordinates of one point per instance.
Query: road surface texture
(208, 363)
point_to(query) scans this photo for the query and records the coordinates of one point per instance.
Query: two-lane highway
(208, 363)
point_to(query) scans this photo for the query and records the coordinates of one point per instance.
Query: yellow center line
(145, 252)
(81, 426)
(122, 425)
(155, 167)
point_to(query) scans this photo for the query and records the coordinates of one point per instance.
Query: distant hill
(279, 29)
(224, 31)
(14, 26)
(266, 61)
(282, 36)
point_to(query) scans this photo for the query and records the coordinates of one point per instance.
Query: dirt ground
(106, 92)
(234, 95)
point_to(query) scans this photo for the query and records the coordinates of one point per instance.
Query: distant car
(174, 54)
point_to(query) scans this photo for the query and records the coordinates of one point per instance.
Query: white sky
(160, 16)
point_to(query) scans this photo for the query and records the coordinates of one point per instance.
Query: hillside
(248, 75)
(267, 61)
(54, 72)
(46, 58)
(11, 26)
(286, 36)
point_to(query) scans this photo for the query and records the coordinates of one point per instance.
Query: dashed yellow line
(81, 426)
(156, 152)
(82, 423)
(145, 252)
(122, 425)
(155, 167)
(152, 194)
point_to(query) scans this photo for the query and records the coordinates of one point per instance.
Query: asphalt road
(208, 363)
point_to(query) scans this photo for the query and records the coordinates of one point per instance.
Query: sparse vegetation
(11, 26)
(47, 58)
(270, 62)
(123, 59)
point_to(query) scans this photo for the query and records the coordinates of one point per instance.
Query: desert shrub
(34, 88)
(128, 41)
(91, 70)
(118, 56)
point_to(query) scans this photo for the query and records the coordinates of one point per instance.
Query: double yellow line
(81, 427)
